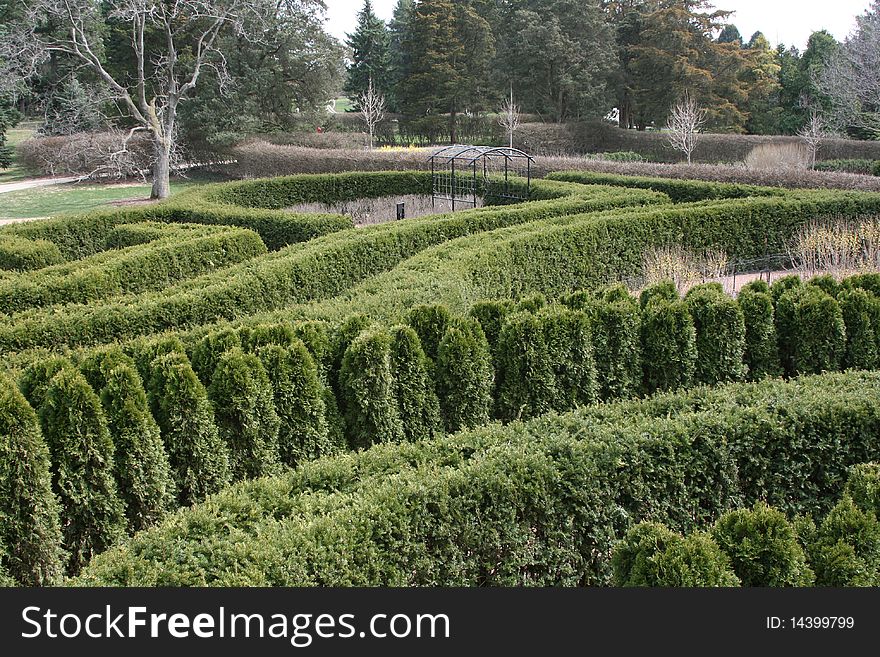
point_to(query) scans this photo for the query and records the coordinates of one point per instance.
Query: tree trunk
(162, 171)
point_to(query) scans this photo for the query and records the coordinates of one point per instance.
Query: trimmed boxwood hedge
(679, 191)
(22, 254)
(151, 266)
(553, 496)
(320, 269)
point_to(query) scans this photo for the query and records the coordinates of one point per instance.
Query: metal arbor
(461, 174)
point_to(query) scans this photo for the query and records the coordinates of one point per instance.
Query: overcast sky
(786, 21)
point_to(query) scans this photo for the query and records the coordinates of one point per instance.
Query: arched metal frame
(451, 165)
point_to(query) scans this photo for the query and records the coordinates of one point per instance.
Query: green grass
(59, 199)
(344, 105)
(14, 137)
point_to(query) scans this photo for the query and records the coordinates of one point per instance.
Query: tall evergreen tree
(369, 45)
(398, 58)
(675, 51)
(559, 56)
(448, 49)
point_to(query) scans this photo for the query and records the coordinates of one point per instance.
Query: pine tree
(199, 459)
(448, 48)
(398, 58)
(371, 60)
(245, 411)
(81, 452)
(30, 530)
(142, 470)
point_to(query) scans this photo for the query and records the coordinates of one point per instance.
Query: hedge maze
(217, 391)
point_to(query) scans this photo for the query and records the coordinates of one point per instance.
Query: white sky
(788, 21)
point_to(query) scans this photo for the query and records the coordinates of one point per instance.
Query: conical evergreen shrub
(142, 471)
(617, 346)
(860, 316)
(664, 290)
(207, 352)
(244, 409)
(430, 323)
(145, 350)
(491, 315)
(720, 335)
(30, 529)
(417, 403)
(342, 338)
(81, 452)
(199, 459)
(811, 330)
(568, 334)
(761, 351)
(669, 345)
(464, 376)
(317, 337)
(299, 402)
(526, 385)
(367, 388)
(35, 379)
(97, 365)
(261, 335)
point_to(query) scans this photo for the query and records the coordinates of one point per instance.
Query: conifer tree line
(570, 60)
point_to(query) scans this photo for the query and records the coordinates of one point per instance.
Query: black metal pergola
(462, 173)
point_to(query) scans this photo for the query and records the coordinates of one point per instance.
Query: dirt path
(34, 182)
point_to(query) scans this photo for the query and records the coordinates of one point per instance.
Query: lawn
(344, 105)
(58, 199)
(14, 137)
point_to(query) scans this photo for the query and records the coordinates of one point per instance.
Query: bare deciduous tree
(813, 134)
(160, 78)
(851, 78)
(686, 118)
(372, 105)
(509, 119)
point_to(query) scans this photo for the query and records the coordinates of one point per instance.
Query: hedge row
(151, 266)
(760, 546)
(864, 167)
(554, 257)
(553, 496)
(21, 254)
(680, 191)
(320, 269)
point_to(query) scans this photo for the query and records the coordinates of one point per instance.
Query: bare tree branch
(372, 105)
(686, 119)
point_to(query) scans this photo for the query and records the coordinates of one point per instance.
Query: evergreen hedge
(569, 337)
(81, 451)
(553, 496)
(617, 345)
(199, 459)
(141, 466)
(22, 254)
(244, 409)
(151, 266)
(861, 317)
(30, 530)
